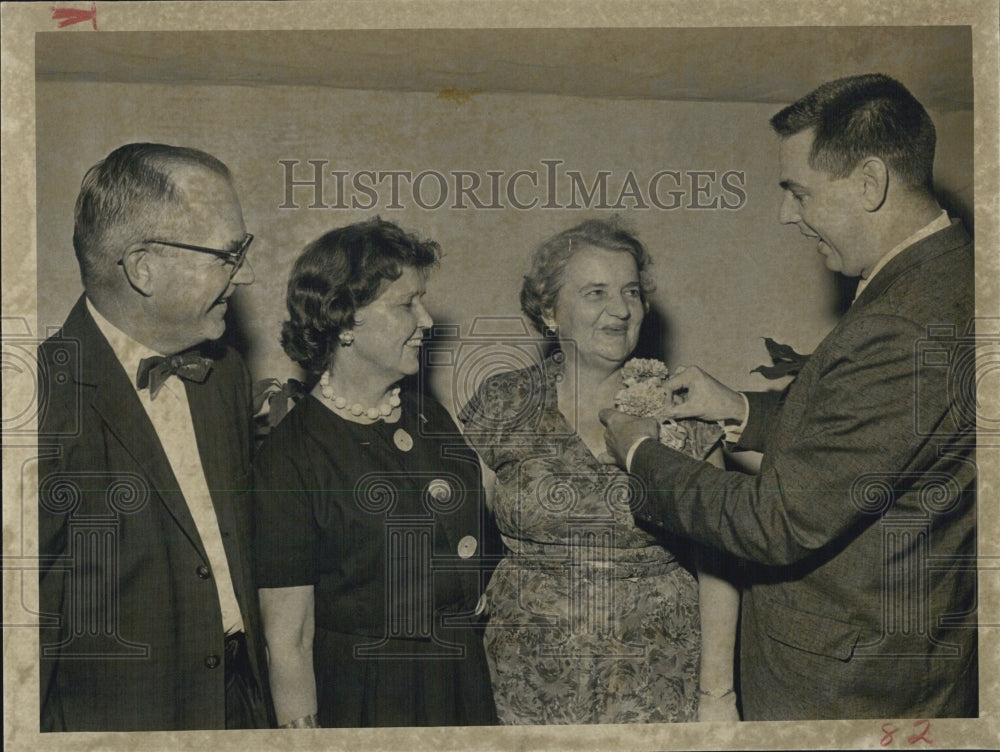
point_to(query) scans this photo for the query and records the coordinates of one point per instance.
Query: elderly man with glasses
(149, 616)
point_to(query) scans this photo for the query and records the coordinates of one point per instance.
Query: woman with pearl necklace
(370, 523)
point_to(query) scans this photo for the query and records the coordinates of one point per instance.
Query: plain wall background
(725, 278)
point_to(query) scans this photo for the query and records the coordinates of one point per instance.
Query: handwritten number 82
(890, 730)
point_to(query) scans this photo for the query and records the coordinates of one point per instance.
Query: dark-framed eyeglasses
(235, 257)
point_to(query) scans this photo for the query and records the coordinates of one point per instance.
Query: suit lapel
(114, 399)
(943, 241)
(919, 253)
(217, 445)
(220, 446)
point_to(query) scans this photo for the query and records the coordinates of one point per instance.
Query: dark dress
(392, 539)
(591, 620)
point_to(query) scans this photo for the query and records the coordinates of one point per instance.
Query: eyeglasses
(235, 258)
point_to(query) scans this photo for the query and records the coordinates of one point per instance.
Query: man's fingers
(681, 378)
(674, 412)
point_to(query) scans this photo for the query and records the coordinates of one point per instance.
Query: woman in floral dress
(592, 619)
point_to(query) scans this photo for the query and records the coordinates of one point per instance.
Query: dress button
(212, 661)
(203, 572)
(467, 547)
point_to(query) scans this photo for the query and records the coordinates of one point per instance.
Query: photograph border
(20, 22)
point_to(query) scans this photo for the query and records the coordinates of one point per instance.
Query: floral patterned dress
(590, 619)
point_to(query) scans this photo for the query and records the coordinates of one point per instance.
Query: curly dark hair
(544, 280)
(338, 273)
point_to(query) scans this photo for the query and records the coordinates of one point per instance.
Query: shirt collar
(941, 222)
(128, 351)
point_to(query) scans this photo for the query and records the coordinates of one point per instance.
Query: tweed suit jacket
(860, 525)
(131, 631)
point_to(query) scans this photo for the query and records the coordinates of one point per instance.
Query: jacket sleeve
(765, 408)
(855, 421)
(55, 439)
(52, 543)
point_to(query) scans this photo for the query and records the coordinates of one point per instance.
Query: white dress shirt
(170, 415)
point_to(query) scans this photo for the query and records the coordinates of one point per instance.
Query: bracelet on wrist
(306, 721)
(716, 695)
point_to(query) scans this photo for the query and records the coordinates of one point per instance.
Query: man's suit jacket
(861, 521)
(132, 635)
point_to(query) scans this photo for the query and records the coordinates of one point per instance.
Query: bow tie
(156, 370)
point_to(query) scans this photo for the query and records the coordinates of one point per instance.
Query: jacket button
(212, 661)
(467, 547)
(204, 572)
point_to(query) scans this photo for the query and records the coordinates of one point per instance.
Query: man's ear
(874, 178)
(138, 269)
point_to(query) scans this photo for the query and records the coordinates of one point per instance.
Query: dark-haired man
(860, 525)
(149, 612)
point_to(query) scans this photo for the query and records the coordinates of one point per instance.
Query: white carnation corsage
(643, 394)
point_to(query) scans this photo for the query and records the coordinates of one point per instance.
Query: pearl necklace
(384, 410)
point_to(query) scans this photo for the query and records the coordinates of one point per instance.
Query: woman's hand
(717, 706)
(719, 611)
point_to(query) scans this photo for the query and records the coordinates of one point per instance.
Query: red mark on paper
(69, 16)
(890, 730)
(922, 736)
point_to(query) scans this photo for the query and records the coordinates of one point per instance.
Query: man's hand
(695, 394)
(622, 431)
